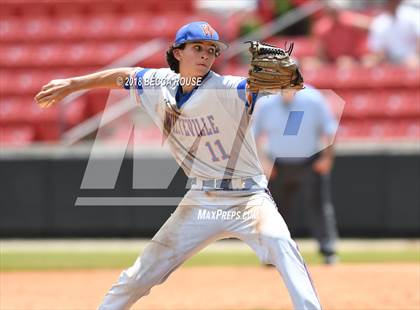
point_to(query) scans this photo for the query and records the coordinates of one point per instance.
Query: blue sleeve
(328, 123)
(136, 80)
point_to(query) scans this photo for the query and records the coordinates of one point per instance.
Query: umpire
(298, 129)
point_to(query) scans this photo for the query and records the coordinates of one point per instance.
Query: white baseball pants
(204, 217)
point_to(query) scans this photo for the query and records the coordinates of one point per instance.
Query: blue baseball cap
(198, 31)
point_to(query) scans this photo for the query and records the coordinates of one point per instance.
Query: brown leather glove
(272, 69)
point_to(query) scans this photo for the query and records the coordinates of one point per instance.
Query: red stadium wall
(44, 40)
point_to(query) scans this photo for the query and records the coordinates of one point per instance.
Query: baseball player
(205, 119)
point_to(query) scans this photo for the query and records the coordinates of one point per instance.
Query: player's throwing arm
(56, 90)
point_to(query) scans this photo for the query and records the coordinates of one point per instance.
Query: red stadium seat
(109, 52)
(14, 55)
(69, 8)
(35, 28)
(159, 7)
(25, 8)
(69, 114)
(351, 129)
(26, 83)
(99, 27)
(402, 103)
(79, 54)
(62, 39)
(65, 54)
(47, 55)
(137, 26)
(323, 78)
(354, 77)
(128, 26)
(386, 129)
(359, 77)
(75, 112)
(8, 10)
(393, 76)
(384, 76)
(97, 100)
(20, 84)
(167, 25)
(24, 111)
(358, 103)
(381, 103)
(44, 121)
(230, 29)
(11, 111)
(379, 130)
(411, 129)
(48, 132)
(406, 128)
(100, 54)
(10, 28)
(157, 60)
(70, 27)
(13, 136)
(411, 78)
(184, 6)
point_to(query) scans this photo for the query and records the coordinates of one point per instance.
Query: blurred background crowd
(364, 51)
(367, 51)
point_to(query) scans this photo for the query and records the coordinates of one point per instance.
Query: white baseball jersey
(210, 138)
(209, 134)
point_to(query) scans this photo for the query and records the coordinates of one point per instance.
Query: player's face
(196, 58)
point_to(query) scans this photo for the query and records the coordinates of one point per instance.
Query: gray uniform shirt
(294, 129)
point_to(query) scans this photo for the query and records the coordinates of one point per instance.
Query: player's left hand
(323, 165)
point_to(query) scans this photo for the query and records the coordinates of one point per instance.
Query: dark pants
(298, 183)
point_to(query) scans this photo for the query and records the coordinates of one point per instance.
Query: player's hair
(171, 60)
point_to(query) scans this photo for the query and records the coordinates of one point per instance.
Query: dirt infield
(342, 287)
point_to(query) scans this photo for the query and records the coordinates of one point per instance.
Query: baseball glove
(272, 68)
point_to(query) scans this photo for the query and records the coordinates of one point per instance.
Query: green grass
(36, 260)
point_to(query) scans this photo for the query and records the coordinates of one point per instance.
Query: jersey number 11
(221, 149)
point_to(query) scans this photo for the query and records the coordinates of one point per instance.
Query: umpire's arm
(57, 90)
